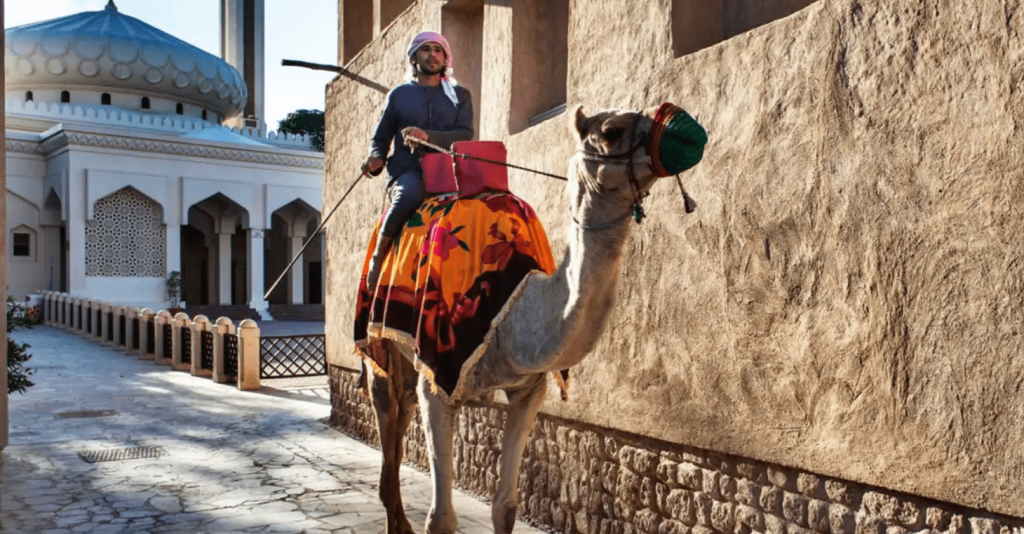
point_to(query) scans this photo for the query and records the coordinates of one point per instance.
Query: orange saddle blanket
(450, 273)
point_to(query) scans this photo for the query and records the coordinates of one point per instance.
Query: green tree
(17, 353)
(306, 122)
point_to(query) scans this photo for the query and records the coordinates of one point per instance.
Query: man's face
(430, 59)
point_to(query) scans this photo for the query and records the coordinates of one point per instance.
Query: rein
(455, 154)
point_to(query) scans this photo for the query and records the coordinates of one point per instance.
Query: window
(205, 117)
(65, 97)
(28, 96)
(698, 24)
(145, 102)
(22, 244)
(540, 43)
(105, 99)
(356, 27)
(462, 22)
(179, 109)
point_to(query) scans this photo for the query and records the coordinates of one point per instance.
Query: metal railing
(186, 345)
(168, 342)
(206, 350)
(292, 356)
(151, 338)
(110, 326)
(135, 333)
(230, 355)
(122, 323)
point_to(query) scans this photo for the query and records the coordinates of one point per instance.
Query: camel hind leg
(393, 398)
(523, 405)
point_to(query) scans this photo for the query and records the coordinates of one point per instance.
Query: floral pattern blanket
(450, 273)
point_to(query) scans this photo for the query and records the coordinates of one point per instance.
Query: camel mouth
(676, 141)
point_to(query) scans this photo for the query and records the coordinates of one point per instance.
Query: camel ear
(579, 122)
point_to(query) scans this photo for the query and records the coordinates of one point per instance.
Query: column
(174, 251)
(295, 278)
(224, 268)
(254, 255)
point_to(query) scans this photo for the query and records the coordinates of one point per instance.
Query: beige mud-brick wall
(577, 478)
(846, 300)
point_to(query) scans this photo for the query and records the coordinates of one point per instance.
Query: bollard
(131, 339)
(221, 330)
(248, 356)
(60, 311)
(118, 331)
(147, 334)
(164, 346)
(201, 325)
(46, 307)
(180, 359)
(75, 323)
(106, 324)
(97, 315)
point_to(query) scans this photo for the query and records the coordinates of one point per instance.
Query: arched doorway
(213, 252)
(291, 225)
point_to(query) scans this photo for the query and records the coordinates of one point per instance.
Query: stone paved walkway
(232, 461)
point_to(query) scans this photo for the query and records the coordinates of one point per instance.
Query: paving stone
(236, 461)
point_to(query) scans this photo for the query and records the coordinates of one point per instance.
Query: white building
(121, 168)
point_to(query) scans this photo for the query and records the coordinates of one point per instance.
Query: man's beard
(423, 69)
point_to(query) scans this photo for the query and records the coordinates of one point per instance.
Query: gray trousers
(406, 193)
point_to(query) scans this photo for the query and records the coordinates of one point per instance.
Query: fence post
(60, 311)
(224, 327)
(97, 324)
(106, 325)
(116, 313)
(248, 355)
(80, 316)
(200, 324)
(130, 315)
(179, 322)
(162, 356)
(145, 317)
(72, 323)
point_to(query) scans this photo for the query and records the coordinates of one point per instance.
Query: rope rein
(455, 154)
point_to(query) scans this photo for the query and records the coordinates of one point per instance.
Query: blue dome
(110, 51)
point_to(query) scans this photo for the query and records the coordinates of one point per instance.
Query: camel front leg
(439, 425)
(393, 402)
(523, 405)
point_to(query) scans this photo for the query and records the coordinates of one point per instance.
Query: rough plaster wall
(847, 297)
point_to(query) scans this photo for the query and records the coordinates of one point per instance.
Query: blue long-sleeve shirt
(424, 107)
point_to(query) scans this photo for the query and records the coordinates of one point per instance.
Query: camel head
(621, 154)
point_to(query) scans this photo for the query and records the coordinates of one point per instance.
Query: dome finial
(111, 6)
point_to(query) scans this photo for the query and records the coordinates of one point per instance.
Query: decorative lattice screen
(126, 237)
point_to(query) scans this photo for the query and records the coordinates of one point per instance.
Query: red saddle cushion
(466, 176)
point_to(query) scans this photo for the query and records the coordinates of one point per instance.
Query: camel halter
(627, 158)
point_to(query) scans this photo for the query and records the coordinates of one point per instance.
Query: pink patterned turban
(431, 37)
(448, 83)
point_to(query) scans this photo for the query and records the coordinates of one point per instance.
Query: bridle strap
(629, 158)
(601, 226)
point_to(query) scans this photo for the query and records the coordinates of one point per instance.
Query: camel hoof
(505, 524)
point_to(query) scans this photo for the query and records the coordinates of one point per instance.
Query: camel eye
(613, 134)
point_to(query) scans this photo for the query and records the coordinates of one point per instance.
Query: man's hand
(413, 132)
(372, 166)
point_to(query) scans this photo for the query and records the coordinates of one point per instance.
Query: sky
(306, 30)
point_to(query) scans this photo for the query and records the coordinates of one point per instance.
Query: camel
(554, 322)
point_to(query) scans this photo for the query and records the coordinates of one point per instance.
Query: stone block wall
(578, 478)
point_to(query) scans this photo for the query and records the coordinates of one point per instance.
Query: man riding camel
(430, 107)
